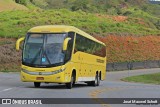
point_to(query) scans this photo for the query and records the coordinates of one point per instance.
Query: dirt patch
(115, 18)
(10, 59)
(120, 18)
(6, 5)
(4, 41)
(8, 39)
(131, 48)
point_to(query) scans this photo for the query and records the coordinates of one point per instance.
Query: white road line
(6, 89)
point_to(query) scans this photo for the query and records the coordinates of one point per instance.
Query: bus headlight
(58, 71)
(43, 73)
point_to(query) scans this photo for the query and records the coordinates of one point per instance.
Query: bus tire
(70, 84)
(89, 83)
(37, 84)
(96, 82)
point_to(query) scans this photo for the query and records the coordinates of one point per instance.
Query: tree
(80, 5)
(55, 3)
(24, 2)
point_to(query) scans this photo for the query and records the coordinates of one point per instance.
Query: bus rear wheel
(96, 82)
(37, 84)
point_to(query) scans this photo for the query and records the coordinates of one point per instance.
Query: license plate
(40, 78)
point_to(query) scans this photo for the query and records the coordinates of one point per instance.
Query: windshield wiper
(36, 56)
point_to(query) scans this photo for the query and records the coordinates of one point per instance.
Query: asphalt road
(112, 87)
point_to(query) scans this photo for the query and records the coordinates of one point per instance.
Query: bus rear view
(50, 56)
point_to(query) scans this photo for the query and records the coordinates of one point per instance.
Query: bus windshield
(43, 50)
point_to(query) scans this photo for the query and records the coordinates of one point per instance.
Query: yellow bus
(62, 54)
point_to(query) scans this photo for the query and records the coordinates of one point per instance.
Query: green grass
(17, 23)
(147, 78)
(146, 16)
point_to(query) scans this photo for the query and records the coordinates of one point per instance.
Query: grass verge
(146, 78)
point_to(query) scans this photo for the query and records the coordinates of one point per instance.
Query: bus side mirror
(18, 42)
(65, 43)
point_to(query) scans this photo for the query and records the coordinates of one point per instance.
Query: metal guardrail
(132, 65)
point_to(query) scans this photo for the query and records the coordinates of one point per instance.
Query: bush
(23, 2)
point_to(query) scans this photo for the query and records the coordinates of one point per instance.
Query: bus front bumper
(50, 78)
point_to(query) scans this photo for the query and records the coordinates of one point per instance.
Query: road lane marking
(95, 93)
(6, 89)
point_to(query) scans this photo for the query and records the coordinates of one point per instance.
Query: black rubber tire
(70, 84)
(90, 83)
(96, 82)
(37, 84)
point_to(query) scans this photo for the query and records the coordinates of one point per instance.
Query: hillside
(133, 8)
(97, 17)
(129, 28)
(8, 5)
(97, 6)
(16, 23)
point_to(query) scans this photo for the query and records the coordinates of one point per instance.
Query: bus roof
(61, 29)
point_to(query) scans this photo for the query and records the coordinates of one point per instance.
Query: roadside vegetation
(16, 23)
(97, 17)
(132, 8)
(147, 79)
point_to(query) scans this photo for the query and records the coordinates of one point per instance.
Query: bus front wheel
(70, 84)
(37, 84)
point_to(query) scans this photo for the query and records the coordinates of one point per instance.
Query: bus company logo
(6, 101)
(154, 1)
(40, 73)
